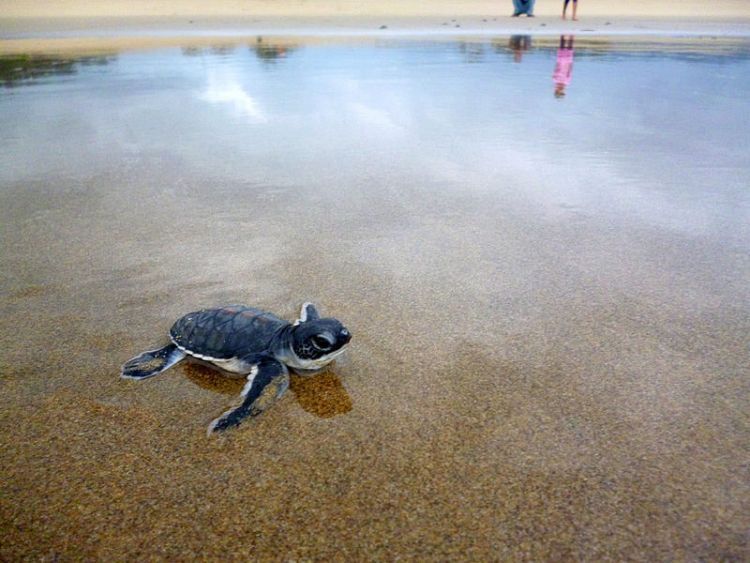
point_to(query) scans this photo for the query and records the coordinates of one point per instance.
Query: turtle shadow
(212, 379)
(322, 395)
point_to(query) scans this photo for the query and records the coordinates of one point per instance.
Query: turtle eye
(321, 342)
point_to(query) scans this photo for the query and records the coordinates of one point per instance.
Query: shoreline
(111, 46)
(32, 35)
(64, 25)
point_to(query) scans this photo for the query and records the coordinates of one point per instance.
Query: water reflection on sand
(549, 299)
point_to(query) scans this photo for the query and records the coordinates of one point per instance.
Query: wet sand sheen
(525, 380)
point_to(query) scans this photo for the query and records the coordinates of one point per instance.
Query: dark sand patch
(27, 292)
(322, 395)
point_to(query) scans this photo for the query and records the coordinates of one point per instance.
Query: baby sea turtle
(247, 342)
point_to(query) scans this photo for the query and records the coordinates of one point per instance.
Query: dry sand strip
(19, 18)
(33, 26)
(723, 9)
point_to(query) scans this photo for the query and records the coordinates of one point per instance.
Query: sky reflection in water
(655, 135)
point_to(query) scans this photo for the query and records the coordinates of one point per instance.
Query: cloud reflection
(225, 88)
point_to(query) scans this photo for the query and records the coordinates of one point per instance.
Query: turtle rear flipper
(152, 363)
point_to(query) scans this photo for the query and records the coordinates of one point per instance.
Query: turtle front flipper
(307, 313)
(152, 363)
(267, 381)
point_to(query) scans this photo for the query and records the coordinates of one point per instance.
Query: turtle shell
(225, 332)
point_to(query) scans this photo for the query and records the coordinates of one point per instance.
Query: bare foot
(575, 19)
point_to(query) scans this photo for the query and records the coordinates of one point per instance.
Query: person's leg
(575, 9)
(565, 7)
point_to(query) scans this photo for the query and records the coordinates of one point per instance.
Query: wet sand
(524, 382)
(98, 34)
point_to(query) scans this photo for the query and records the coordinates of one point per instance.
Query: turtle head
(318, 342)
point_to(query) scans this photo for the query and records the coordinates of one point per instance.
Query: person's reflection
(519, 44)
(270, 53)
(564, 65)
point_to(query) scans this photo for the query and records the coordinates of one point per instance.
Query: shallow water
(549, 298)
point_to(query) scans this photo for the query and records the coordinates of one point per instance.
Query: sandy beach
(692, 9)
(29, 26)
(549, 299)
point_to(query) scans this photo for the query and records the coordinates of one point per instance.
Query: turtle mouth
(327, 359)
(320, 363)
(337, 353)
